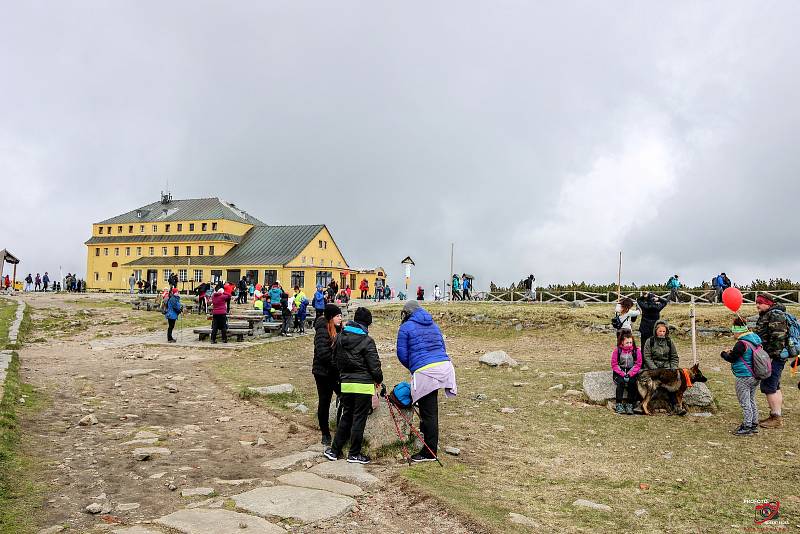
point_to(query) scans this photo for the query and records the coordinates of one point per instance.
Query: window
(200, 249)
(138, 251)
(213, 227)
(188, 251)
(325, 245)
(116, 251)
(163, 251)
(105, 251)
(270, 276)
(108, 230)
(114, 264)
(180, 227)
(312, 260)
(204, 227)
(320, 243)
(96, 277)
(119, 229)
(210, 250)
(216, 276)
(137, 274)
(141, 228)
(198, 275)
(101, 230)
(352, 281)
(191, 227)
(176, 251)
(303, 260)
(298, 278)
(166, 228)
(109, 276)
(167, 274)
(130, 229)
(324, 278)
(127, 251)
(152, 251)
(97, 251)
(155, 228)
(331, 265)
(182, 275)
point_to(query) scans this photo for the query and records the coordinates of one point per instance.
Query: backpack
(401, 395)
(793, 342)
(762, 363)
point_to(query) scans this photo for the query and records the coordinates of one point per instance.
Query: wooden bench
(239, 333)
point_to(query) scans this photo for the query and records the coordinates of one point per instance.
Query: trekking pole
(414, 430)
(400, 436)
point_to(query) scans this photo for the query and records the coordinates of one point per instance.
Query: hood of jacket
(655, 327)
(751, 337)
(352, 334)
(779, 307)
(421, 316)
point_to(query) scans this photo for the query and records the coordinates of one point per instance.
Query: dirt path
(161, 396)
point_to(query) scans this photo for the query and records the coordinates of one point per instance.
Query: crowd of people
(44, 283)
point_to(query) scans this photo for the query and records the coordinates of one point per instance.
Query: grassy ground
(8, 308)
(690, 474)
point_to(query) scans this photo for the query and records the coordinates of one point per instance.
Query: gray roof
(261, 245)
(192, 209)
(97, 240)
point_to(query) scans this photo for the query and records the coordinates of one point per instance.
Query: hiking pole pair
(410, 426)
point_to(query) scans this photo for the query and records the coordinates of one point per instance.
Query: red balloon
(732, 298)
(258, 287)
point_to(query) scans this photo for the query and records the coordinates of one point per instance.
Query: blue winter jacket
(174, 307)
(420, 342)
(319, 300)
(739, 368)
(275, 295)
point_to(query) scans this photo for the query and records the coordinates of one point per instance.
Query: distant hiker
(530, 287)
(7, 282)
(28, 282)
(173, 280)
(333, 290)
(420, 293)
(45, 280)
(219, 311)
(465, 286)
(626, 313)
(38, 283)
(173, 309)
(421, 350)
(359, 367)
(651, 306)
(131, 282)
(741, 360)
(437, 293)
(348, 292)
(387, 292)
(773, 329)
(364, 288)
(456, 288)
(626, 361)
(318, 301)
(326, 375)
(378, 289)
(673, 284)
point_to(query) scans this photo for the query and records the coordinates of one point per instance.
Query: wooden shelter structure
(8, 257)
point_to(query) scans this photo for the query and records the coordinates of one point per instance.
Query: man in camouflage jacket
(773, 329)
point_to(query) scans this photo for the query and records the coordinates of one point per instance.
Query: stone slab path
(291, 502)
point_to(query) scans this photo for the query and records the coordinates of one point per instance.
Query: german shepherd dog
(669, 380)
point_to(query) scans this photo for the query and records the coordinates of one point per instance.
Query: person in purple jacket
(420, 348)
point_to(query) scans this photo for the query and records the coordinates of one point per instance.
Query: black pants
(355, 409)
(170, 327)
(326, 387)
(630, 386)
(287, 317)
(219, 322)
(429, 422)
(363, 293)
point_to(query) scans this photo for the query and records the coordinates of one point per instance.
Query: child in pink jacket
(626, 361)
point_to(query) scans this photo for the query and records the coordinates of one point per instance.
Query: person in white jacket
(437, 293)
(627, 311)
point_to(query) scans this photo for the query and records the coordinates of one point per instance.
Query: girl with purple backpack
(741, 360)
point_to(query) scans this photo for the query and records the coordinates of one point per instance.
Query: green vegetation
(8, 309)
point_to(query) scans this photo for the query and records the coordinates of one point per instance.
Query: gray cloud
(537, 138)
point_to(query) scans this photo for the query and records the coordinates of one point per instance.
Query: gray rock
(144, 434)
(279, 389)
(312, 481)
(235, 482)
(196, 492)
(290, 502)
(172, 388)
(583, 503)
(520, 519)
(200, 521)
(453, 451)
(127, 507)
(145, 453)
(573, 393)
(302, 408)
(355, 473)
(701, 414)
(498, 358)
(577, 304)
(557, 386)
(285, 462)
(640, 512)
(698, 395)
(88, 420)
(151, 441)
(94, 508)
(130, 373)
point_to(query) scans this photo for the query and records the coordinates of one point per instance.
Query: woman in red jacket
(220, 301)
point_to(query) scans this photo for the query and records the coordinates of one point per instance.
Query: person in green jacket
(659, 352)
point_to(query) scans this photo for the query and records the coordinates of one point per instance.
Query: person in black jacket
(359, 367)
(651, 306)
(326, 375)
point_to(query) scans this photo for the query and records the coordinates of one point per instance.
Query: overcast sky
(536, 136)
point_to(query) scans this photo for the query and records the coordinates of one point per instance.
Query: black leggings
(326, 387)
(429, 422)
(170, 327)
(355, 409)
(219, 322)
(630, 386)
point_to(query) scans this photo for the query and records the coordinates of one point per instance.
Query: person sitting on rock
(660, 352)
(626, 361)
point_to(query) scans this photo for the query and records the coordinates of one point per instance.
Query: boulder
(498, 358)
(380, 429)
(599, 387)
(279, 389)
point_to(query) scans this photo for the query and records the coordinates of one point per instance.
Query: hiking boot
(774, 421)
(326, 440)
(742, 431)
(754, 428)
(172, 341)
(620, 408)
(331, 454)
(629, 409)
(419, 457)
(357, 459)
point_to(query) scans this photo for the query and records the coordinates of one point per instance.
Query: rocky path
(141, 439)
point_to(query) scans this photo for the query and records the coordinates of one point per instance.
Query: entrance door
(252, 276)
(216, 276)
(152, 275)
(234, 275)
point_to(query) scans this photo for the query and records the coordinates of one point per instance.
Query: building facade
(210, 240)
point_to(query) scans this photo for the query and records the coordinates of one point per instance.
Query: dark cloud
(536, 138)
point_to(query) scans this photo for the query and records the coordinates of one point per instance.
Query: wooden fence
(700, 296)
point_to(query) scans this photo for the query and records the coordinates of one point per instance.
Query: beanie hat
(739, 329)
(331, 311)
(761, 299)
(363, 316)
(411, 306)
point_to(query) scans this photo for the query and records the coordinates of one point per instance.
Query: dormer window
(101, 230)
(139, 214)
(130, 229)
(119, 229)
(204, 227)
(213, 227)
(191, 227)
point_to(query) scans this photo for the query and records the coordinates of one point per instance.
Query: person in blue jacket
(741, 360)
(318, 301)
(421, 350)
(173, 310)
